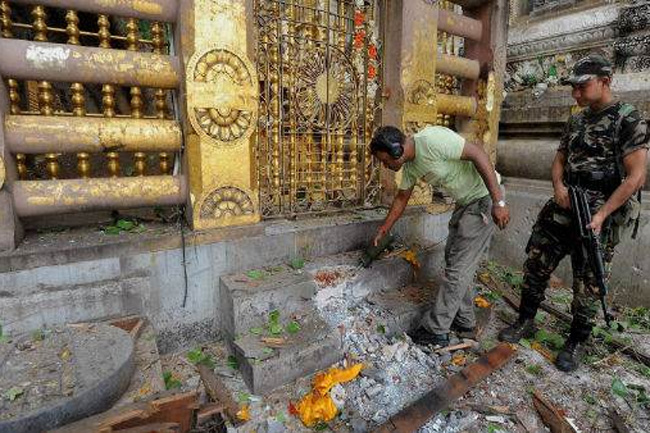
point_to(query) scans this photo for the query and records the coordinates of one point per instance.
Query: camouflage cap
(587, 68)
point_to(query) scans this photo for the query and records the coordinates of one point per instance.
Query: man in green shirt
(445, 160)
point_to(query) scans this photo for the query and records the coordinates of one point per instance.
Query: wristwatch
(500, 203)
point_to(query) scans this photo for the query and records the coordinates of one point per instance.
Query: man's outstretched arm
(396, 209)
(474, 153)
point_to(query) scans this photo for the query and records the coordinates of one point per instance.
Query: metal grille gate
(318, 63)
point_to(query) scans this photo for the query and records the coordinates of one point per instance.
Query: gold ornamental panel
(222, 96)
(226, 202)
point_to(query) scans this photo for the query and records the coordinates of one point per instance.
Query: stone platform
(79, 275)
(50, 378)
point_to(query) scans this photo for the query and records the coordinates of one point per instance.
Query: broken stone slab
(69, 373)
(384, 274)
(246, 302)
(315, 347)
(403, 307)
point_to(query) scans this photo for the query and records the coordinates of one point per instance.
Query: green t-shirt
(437, 161)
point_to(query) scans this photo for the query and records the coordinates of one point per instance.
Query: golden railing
(318, 66)
(66, 102)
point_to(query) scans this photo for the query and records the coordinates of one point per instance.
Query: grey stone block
(315, 347)
(246, 302)
(403, 306)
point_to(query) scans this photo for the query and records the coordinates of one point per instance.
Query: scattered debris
(413, 417)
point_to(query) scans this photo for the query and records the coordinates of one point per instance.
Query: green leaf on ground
(298, 263)
(381, 329)
(232, 362)
(321, 426)
(13, 393)
(281, 417)
(293, 327)
(267, 351)
(275, 329)
(534, 369)
(589, 399)
(526, 343)
(274, 316)
(551, 339)
(243, 397)
(3, 337)
(112, 230)
(125, 225)
(619, 388)
(170, 381)
(255, 274)
(198, 357)
(256, 331)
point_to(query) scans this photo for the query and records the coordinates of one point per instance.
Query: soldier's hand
(562, 197)
(596, 223)
(501, 216)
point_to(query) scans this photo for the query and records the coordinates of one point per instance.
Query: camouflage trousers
(553, 237)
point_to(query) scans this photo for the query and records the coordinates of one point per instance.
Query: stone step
(314, 347)
(357, 283)
(247, 298)
(404, 306)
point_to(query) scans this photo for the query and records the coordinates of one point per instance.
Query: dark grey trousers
(470, 231)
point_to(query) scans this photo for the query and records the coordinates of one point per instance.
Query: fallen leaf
(13, 393)
(537, 346)
(65, 354)
(459, 360)
(275, 342)
(244, 414)
(411, 257)
(481, 302)
(292, 409)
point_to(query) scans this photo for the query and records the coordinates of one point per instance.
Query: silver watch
(500, 203)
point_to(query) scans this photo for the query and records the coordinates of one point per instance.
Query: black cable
(183, 262)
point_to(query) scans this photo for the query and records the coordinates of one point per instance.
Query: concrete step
(314, 347)
(247, 298)
(384, 274)
(403, 307)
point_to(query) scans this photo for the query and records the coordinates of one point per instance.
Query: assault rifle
(590, 243)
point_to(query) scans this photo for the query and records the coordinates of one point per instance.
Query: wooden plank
(175, 408)
(164, 427)
(218, 392)
(551, 415)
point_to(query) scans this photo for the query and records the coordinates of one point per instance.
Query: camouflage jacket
(598, 142)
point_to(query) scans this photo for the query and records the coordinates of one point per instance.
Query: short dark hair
(384, 137)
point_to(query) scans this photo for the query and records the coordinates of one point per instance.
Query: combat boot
(523, 328)
(570, 356)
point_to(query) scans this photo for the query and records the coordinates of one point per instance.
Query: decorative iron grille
(318, 66)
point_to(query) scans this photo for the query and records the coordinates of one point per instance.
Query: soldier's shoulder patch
(626, 109)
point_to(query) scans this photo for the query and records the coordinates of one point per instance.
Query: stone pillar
(410, 54)
(11, 231)
(490, 52)
(219, 110)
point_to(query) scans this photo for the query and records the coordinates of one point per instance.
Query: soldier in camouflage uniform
(603, 150)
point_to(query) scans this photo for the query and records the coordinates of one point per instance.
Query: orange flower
(372, 51)
(359, 39)
(359, 18)
(372, 73)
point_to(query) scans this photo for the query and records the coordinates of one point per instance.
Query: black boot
(570, 356)
(523, 328)
(468, 332)
(423, 337)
